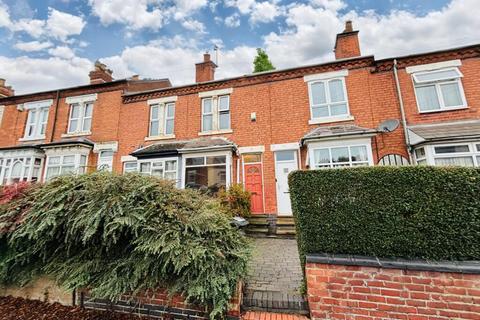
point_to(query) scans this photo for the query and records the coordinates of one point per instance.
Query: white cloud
(193, 25)
(62, 52)
(33, 46)
(333, 5)
(233, 21)
(29, 75)
(62, 25)
(264, 12)
(184, 8)
(5, 21)
(34, 27)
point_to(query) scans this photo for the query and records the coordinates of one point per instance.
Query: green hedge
(405, 212)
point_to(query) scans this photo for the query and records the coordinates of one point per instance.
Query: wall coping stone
(471, 267)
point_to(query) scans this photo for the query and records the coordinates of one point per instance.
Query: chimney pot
(135, 77)
(348, 26)
(100, 74)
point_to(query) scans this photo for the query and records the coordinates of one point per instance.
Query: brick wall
(391, 290)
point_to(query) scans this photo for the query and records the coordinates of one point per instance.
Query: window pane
(455, 161)
(336, 91)
(207, 105)
(68, 159)
(54, 160)
(207, 123)
(87, 124)
(209, 179)
(216, 160)
(478, 147)
(451, 95)
(420, 152)
(88, 110)
(322, 156)
(44, 115)
(154, 113)
(170, 110)
(130, 166)
(73, 125)
(171, 165)
(438, 75)
(338, 109)
(157, 172)
(52, 172)
(169, 126)
(83, 160)
(427, 98)
(318, 93)
(224, 120)
(145, 167)
(318, 112)
(340, 154)
(17, 170)
(452, 149)
(359, 153)
(223, 103)
(249, 158)
(195, 161)
(106, 154)
(32, 116)
(67, 169)
(285, 155)
(75, 111)
(171, 175)
(154, 128)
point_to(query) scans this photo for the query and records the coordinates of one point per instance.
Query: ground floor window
(65, 164)
(17, 169)
(465, 154)
(105, 160)
(162, 168)
(206, 173)
(130, 166)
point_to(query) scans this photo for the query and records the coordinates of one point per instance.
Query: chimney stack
(101, 74)
(5, 91)
(347, 44)
(205, 71)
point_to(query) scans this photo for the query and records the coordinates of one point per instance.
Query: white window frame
(312, 146)
(163, 161)
(215, 113)
(81, 119)
(228, 164)
(162, 120)
(431, 155)
(437, 84)
(125, 163)
(38, 108)
(105, 162)
(78, 167)
(27, 169)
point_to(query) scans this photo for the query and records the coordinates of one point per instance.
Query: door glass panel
(250, 158)
(285, 155)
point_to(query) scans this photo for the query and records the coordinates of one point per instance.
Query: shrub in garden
(117, 234)
(236, 200)
(408, 212)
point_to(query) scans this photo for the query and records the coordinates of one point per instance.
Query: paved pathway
(275, 266)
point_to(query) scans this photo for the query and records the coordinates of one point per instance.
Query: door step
(274, 301)
(271, 225)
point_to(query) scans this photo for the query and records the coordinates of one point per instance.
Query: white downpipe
(402, 110)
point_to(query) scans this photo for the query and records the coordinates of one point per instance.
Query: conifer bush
(117, 234)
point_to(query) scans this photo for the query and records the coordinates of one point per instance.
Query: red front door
(253, 183)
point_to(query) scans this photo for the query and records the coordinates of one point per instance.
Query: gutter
(402, 111)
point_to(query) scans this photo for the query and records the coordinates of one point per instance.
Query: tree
(262, 62)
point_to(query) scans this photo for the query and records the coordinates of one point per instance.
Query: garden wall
(349, 287)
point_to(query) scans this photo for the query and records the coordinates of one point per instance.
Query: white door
(285, 162)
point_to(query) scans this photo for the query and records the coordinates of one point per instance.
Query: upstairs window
(37, 119)
(162, 118)
(439, 90)
(80, 117)
(216, 113)
(328, 98)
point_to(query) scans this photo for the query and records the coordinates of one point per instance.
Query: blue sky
(53, 43)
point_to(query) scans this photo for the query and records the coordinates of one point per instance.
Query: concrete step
(274, 301)
(258, 315)
(271, 225)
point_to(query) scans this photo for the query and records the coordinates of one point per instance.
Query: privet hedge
(405, 212)
(122, 234)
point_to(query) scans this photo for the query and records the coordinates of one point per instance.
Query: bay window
(207, 173)
(342, 153)
(465, 154)
(18, 169)
(162, 168)
(130, 166)
(439, 90)
(65, 164)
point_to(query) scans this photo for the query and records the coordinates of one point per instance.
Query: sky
(51, 44)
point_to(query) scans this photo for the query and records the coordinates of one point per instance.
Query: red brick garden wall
(366, 293)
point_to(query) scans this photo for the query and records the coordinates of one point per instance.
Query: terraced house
(253, 129)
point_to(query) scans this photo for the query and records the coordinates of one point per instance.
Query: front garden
(121, 234)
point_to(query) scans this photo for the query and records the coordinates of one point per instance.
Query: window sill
(154, 138)
(32, 139)
(443, 110)
(208, 133)
(76, 134)
(330, 119)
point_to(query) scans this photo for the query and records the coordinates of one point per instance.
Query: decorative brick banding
(363, 288)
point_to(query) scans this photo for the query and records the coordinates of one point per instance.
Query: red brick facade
(266, 110)
(367, 293)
